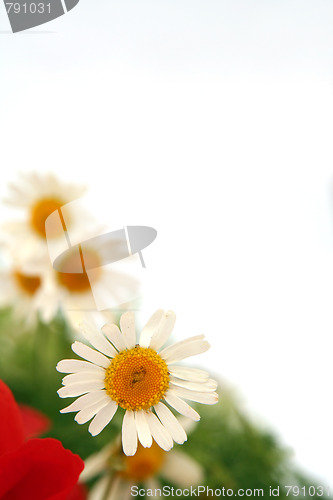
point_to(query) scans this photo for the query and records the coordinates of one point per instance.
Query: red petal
(79, 492)
(11, 426)
(34, 422)
(41, 469)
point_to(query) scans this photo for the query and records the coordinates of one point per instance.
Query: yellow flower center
(137, 378)
(28, 284)
(145, 463)
(79, 282)
(40, 212)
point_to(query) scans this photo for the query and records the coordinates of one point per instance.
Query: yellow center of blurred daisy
(77, 260)
(137, 378)
(145, 463)
(40, 212)
(28, 284)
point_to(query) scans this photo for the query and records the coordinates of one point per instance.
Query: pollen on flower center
(76, 261)
(29, 284)
(145, 463)
(137, 378)
(40, 212)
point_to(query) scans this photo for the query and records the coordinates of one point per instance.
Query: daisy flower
(38, 195)
(32, 296)
(84, 285)
(22, 292)
(117, 473)
(140, 378)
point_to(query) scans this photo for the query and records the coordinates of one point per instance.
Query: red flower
(34, 422)
(38, 469)
(79, 492)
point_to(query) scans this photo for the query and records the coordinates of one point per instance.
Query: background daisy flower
(118, 472)
(22, 292)
(83, 282)
(37, 196)
(140, 378)
(32, 296)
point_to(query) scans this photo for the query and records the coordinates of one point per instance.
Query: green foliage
(234, 452)
(237, 454)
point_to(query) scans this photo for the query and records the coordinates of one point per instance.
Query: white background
(212, 122)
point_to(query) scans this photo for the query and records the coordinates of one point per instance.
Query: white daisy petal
(159, 432)
(97, 340)
(181, 406)
(96, 463)
(184, 349)
(127, 327)
(207, 398)
(112, 332)
(163, 330)
(103, 417)
(180, 469)
(177, 345)
(183, 342)
(75, 378)
(73, 390)
(208, 386)
(120, 489)
(76, 365)
(90, 354)
(171, 423)
(85, 401)
(150, 328)
(187, 424)
(192, 374)
(142, 427)
(88, 413)
(99, 489)
(129, 434)
(153, 485)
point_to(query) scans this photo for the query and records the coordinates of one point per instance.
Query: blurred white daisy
(32, 296)
(37, 195)
(140, 378)
(21, 292)
(83, 284)
(117, 473)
